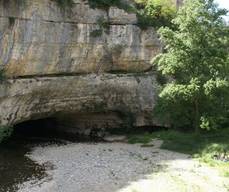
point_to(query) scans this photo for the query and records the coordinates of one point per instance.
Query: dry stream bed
(102, 167)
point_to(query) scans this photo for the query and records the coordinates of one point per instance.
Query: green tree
(195, 63)
(155, 13)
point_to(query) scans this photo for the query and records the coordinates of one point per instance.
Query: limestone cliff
(63, 62)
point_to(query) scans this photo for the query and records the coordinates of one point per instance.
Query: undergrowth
(149, 12)
(211, 148)
(2, 75)
(106, 4)
(64, 3)
(104, 26)
(5, 132)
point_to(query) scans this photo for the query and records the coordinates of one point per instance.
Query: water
(15, 167)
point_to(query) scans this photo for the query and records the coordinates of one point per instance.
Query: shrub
(2, 75)
(96, 33)
(106, 4)
(64, 3)
(102, 4)
(104, 26)
(155, 13)
(5, 132)
(11, 21)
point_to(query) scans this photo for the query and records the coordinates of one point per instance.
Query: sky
(224, 4)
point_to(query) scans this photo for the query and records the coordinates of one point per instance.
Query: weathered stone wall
(56, 66)
(40, 38)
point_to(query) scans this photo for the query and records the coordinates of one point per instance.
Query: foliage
(96, 33)
(149, 12)
(2, 76)
(104, 26)
(11, 21)
(211, 148)
(140, 138)
(64, 3)
(106, 4)
(155, 12)
(103, 4)
(196, 62)
(5, 132)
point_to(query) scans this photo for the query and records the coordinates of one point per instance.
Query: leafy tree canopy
(155, 12)
(195, 63)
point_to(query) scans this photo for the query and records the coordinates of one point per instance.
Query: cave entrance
(47, 129)
(41, 128)
(74, 127)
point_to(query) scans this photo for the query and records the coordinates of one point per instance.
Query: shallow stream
(15, 167)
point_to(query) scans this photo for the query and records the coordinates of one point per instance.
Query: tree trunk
(197, 117)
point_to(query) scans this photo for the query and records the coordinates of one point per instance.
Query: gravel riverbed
(111, 167)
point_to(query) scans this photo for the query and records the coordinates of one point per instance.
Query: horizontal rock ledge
(124, 98)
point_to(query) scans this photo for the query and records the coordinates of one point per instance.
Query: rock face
(62, 62)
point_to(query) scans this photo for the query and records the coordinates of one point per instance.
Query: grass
(211, 148)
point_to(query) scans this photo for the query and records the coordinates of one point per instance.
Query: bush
(5, 132)
(104, 26)
(106, 4)
(155, 13)
(64, 3)
(96, 33)
(103, 4)
(2, 76)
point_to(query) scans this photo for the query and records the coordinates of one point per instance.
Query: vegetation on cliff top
(106, 4)
(64, 3)
(154, 13)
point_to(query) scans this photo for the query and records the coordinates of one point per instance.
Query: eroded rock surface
(40, 38)
(57, 66)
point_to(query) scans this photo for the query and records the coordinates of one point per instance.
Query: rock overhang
(55, 65)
